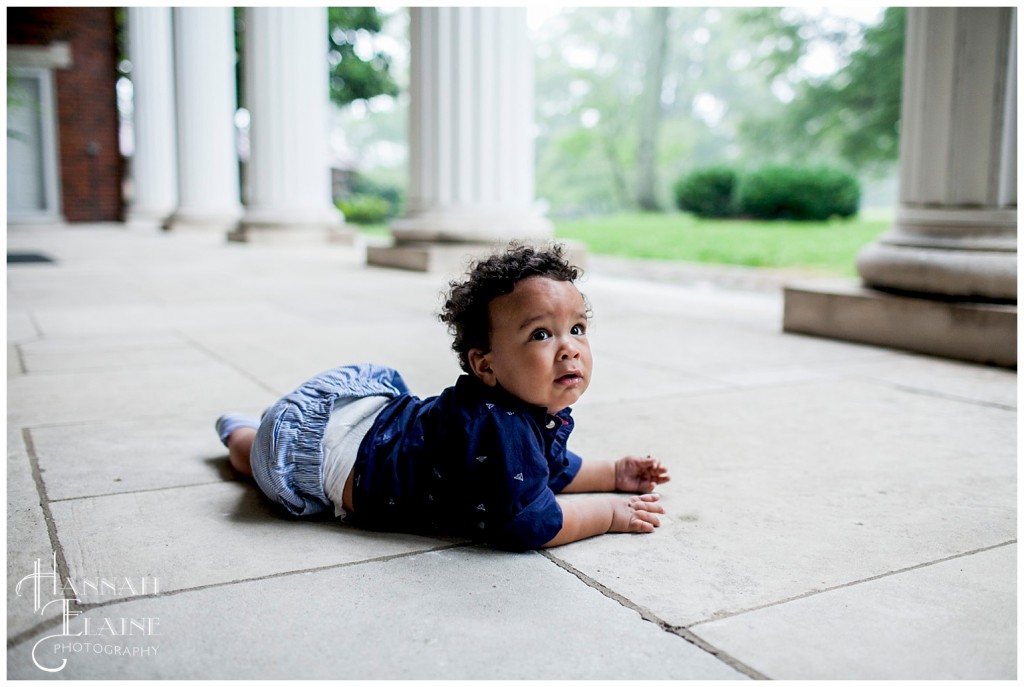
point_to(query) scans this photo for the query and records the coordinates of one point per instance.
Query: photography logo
(117, 638)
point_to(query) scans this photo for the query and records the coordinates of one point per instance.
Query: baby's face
(539, 347)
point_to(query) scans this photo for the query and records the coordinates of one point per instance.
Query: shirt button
(551, 424)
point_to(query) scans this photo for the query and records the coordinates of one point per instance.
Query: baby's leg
(239, 446)
(238, 432)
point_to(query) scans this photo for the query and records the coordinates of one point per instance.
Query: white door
(33, 166)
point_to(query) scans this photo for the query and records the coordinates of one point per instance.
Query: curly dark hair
(466, 309)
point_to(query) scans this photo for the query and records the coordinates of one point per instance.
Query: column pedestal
(452, 258)
(943, 280)
(844, 309)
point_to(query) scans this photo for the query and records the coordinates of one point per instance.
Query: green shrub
(797, 193)
(365, 209)
(707, 192)
(360, 185)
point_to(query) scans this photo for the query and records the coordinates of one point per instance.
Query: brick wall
(91, 164)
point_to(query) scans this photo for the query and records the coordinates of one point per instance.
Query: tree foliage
(739, 89)
(851, 115)
(590, 77)
(358, 71)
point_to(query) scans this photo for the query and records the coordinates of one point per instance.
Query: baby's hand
(636, 514)
(639, 475)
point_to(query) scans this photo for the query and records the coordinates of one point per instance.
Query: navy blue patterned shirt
(474, 461)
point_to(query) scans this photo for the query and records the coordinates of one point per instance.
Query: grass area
(829, 247)
(826, 246)
(371, 229)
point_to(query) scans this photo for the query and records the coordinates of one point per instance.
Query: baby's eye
(579, 329)
(540, 335)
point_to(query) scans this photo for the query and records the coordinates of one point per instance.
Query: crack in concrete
(51, 531)
(20, 359)
(224, 361)
(685, 631)
(940, 394)
(649, 616)
(28, 634)
(854, 583)
(64, 570)
(137, 491)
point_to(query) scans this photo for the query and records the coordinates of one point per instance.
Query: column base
(448, 257)
(472, 225)
(969, 274)
(202, 222)
(292, 227)
(285, 235)
(971, 331)
(146, 220)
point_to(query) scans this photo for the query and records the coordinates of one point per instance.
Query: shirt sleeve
(563, 474)
(517, 506)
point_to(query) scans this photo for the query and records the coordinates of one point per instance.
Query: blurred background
(641, 115)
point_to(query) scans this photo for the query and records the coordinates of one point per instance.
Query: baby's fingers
(653, 473)
(658, 472)
(653, 484)
(643, 521)
(646, 502)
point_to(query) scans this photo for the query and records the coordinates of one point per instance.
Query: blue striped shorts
(287, 456)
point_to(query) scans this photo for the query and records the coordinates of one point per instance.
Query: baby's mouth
(569, 378)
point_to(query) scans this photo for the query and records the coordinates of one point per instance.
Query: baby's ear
(480, 363)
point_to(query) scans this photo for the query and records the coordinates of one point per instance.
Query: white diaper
(349, 423)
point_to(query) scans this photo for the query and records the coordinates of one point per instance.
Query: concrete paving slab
(124, 350)
(207, 534)
(130, 319)
(925, 374)
(14, 366)
(778, 492)
(698, 275)
(720, 348)
(614, 297)
(19, 325)
(451, 615)
(101, 395)
(800, 464)
(27, 536)
(617, 379)
(954, 620)
(75, 285)
(416, 347)
(966, 381)
(282, 361)
(329, 284)
(129, 455)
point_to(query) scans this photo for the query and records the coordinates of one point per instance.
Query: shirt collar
(499, 395)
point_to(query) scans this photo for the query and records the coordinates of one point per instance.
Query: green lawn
(827, 246)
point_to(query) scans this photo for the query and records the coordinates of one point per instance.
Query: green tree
(650, 111)
(358, 70)
(590, 93)
(852, 114)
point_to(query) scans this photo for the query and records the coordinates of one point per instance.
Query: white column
(471, 128)
(956, 228)
(204, 42)
(153, 167)
(286, 86)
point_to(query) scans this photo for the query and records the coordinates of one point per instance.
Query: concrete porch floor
(836, 510)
